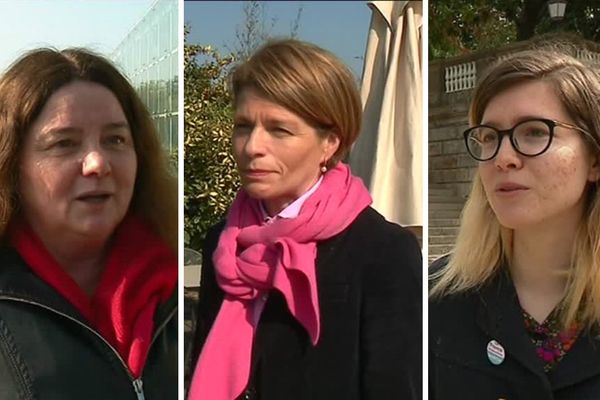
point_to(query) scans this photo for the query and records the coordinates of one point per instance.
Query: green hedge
(211, 179)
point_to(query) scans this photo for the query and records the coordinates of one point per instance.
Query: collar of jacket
(19, 283)
(499, 316)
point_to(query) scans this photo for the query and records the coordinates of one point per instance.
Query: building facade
(148, 56)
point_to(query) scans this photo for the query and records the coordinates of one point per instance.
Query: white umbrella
(388, 153)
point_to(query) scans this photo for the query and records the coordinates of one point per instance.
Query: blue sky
(339, 26)
(96, 24)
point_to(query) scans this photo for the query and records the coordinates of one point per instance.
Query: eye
(241, 129)
(280, 131)
(532, 130)
(484, 135)
(117, 140)
(536, 132)
(488, 137)
(64, 144)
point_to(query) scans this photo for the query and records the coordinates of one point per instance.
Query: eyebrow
(522, 118)
(111, 126)
(277, 121)
(243, 119)
(115, 126)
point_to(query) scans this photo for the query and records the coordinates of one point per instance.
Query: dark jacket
(369, 287)
(48, 351)
(460, 328)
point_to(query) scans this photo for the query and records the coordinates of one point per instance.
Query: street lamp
(556, 9)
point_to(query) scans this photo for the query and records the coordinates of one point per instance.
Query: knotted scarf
(252, 258)
(140, 273)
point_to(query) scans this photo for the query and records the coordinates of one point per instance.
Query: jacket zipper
(139, 389)
(138, 386)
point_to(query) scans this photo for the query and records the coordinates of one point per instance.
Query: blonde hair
(483, 246)
(310, 82)
(24, 90)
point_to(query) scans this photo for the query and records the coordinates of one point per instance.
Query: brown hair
(576, 85)
(310, 82)
(483, 246)
(24, 90)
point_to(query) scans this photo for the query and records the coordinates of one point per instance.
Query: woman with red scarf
(306, 292)
(88, 232)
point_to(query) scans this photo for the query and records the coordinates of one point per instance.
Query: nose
(507, 157)
(255, 144)
(95, 163)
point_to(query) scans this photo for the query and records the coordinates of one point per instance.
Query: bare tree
(256, 28)
(296, 22)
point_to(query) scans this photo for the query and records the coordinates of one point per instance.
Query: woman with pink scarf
(306, 291)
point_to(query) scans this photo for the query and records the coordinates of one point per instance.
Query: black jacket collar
(19, 283)
(499, 316)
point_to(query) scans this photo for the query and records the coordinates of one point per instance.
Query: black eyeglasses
(529, 138)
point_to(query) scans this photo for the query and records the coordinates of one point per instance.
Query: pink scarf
(252, 259)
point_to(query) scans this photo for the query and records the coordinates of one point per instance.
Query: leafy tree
(461, 26)
(211, 180)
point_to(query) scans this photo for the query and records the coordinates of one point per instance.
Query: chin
(257, 191)
(515, 221)
(97, 229)
(511, 218)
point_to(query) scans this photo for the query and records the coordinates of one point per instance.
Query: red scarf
(140, 273)
(252, 258)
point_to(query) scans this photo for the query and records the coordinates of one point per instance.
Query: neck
(540, 263)
(82, 259)
(276, 205)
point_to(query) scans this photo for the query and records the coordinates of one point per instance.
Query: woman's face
(78, 164)
(277, 153)
(543, 190)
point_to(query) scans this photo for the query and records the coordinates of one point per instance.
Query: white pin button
(495, 352)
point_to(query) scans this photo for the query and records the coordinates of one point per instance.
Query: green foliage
(581, 17)
(461, 26)
(211, 179)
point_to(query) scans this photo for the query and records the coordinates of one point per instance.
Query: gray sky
(96, 24)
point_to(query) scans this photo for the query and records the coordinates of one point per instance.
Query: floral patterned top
(551, 344)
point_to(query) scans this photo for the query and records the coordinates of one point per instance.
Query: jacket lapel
(580, 363)
(19, 283)
(499, 316)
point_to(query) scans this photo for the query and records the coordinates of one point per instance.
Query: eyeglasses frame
(510, 132)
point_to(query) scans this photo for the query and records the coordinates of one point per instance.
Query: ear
(594, 172)
(330, 145)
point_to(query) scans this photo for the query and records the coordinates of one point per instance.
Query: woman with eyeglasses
(515, 309)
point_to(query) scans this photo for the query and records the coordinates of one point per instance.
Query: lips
(510, 187)
(96, 197)
(255, 172)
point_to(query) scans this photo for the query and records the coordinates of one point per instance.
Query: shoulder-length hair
(483, 246)
(24, 90)
(308, 81)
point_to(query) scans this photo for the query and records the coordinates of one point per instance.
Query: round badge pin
(495, 352)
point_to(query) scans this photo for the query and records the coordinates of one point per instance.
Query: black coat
(369, 287)
(460, 328)
(49, 352)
